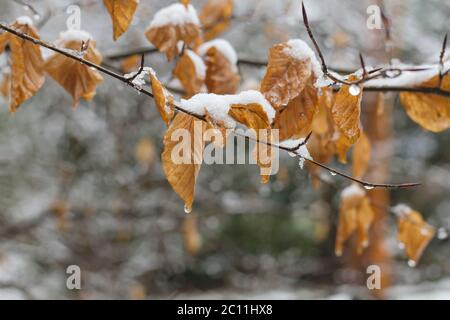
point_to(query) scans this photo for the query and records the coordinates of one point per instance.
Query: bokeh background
(85, 187)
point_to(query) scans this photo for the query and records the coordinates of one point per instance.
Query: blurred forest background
(85, 187)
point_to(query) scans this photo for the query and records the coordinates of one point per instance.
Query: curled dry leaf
(171, 25)
(413, 232)
(431, 112)
(79, 80)
(254, 117)
(361, 156)
(121, 12)
(286, 76)
(346, 112)
(215, 17)
(355, 214)
(186, 71)
(221, 76)
(27, 74)
(163, 99)
(295, 120)
(182, 159)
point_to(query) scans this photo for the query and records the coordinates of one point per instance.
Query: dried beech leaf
(121, 12)
(346, 112)
(361, 156)
(221, 76)
(27, 74)
(163, 99)
(182, 159)
(342, 146)
(430, 111)
(215, 17)
(5, 85)
(254, 117)
(295, 120)
(285, 77)
(220, 130)
(130, 63)
(355, 214)
(414, 233)
(79, 80)
(322, 123)
(185, 71)
(166, 35)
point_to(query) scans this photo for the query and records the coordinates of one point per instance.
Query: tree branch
(125, 80)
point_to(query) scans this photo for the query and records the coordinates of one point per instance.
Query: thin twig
(180, 109)
(441, 61)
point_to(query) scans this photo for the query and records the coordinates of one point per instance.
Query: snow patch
(219, 105)
(75, 35)
(401, 210)
(175, 14)
(298, 49)
(224, 48)
(303, 151)
(200, 67)
(352, 190)
(25, 20)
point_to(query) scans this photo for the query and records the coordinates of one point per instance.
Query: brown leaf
(163, 99)
(220, 130)
(215, 17)
(285, 77)
(166, 37)
(79, 80)
(342, 146)
(346, 112)
(5, 85)
(182, 159)
(295, 120)
(254, 117)
(27, 74)
(355, 214)
(414, 233)
(221, 76)
(430, 111)
(130, 63)
(186, 72)
(121, 12)
(361, 156)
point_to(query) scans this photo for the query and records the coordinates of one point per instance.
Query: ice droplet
(354, 90)
(368, 187)
(442, 234)
(187, 209)
(333, 173)
(411, 263)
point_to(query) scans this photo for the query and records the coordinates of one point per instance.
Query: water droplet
(401, 245)
(333, 173)
(354, 90)
(411, 263)
(368, 187)
(36, 17)
(187, 209)
(442, 234)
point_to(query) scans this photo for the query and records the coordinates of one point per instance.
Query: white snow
(175, 14)
(75, 35)
(219, 105)
(298, 49)
(139, 80)
(200, 67)
(352, 190)
(302, 151)
(224, 47)
(24, 20)
(401, 210)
